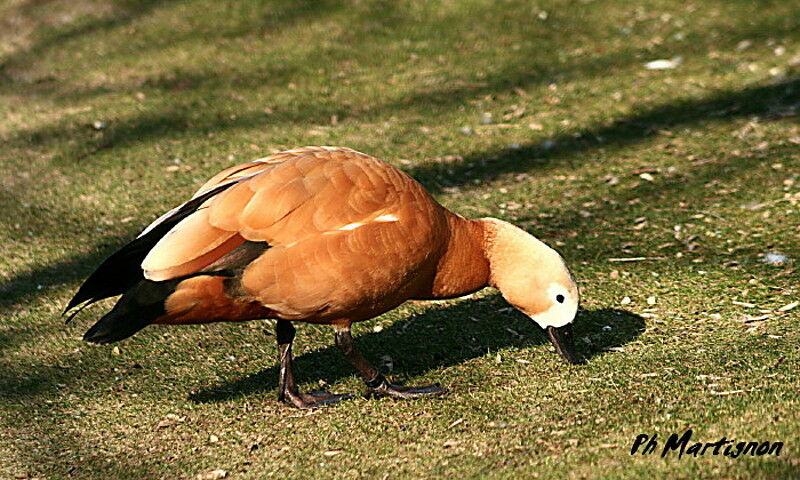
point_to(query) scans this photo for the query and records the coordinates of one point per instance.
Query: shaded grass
(213, 83)
(409, 341)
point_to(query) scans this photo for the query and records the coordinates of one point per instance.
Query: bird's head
(533, 278)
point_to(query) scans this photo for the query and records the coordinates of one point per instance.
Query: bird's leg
(284, 333)
(377, 385)
(287, 388)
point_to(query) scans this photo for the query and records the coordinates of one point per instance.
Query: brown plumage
(325, 235)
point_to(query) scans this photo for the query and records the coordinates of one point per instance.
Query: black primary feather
(135, 310)
(122, 270)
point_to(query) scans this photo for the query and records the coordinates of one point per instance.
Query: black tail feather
(137, 308)
(115, 325)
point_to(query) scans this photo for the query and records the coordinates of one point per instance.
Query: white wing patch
(351, 226)
(387, 218)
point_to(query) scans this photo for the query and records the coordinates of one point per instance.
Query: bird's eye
(560, 298)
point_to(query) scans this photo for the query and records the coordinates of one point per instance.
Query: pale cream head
(530, 275)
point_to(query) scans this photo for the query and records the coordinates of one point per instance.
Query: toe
(428, 390)
(322, 399)
(404, 392)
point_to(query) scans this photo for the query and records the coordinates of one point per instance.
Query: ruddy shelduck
(324, 235)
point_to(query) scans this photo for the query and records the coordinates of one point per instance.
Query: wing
(122, 270)
(286, 200)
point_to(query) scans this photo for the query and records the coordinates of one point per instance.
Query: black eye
(560, 298)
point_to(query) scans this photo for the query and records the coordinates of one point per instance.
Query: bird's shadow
(438, 339)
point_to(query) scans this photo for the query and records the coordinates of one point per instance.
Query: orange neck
(463, 268)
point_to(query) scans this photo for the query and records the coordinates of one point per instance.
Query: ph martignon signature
(683, 445)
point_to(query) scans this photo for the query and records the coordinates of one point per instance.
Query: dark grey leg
(284, 333)
(287, 388)
(377, 385)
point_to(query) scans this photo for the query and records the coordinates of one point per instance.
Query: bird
(328, 236)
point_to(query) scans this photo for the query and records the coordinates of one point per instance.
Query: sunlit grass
(694, 168)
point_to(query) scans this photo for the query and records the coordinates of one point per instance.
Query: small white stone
(775, 258)
(387, 363)
(625, 300)
(212, 475)
(663, 64)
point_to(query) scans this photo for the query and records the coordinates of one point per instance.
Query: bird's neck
(463, 268)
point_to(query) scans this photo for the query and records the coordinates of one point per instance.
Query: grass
(112, 112)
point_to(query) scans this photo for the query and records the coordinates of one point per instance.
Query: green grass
(577, 120)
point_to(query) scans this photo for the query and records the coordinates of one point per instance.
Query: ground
(672, 193)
